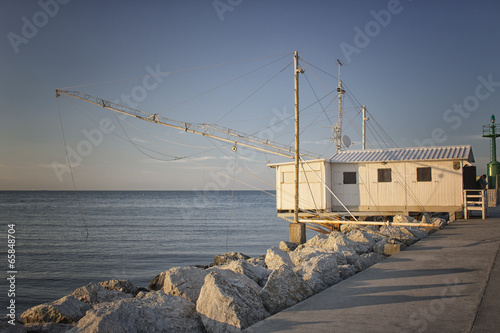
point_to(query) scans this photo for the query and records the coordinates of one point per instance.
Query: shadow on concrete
(424, 248)
(380, 273)
(280, 325)
(370, 290)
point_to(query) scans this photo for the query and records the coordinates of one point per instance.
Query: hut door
(469, 177)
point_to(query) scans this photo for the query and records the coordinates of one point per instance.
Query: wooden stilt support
(297, 233)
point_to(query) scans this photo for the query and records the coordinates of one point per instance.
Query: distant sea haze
(132, 235)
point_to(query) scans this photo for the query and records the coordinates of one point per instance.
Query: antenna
(338, 128)
(363, 139)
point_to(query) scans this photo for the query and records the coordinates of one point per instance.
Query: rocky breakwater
(232, 293)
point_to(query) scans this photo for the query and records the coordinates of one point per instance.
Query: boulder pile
(231, 294)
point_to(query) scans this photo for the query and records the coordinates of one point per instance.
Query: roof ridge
(403, 148)
(451, 152)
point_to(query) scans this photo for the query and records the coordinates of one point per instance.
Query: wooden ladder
(475, 200)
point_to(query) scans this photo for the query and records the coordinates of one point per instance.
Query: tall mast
(339, 124)
(297, 229)
(364, 123)
(297, 70)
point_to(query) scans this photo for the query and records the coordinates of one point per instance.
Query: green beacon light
(493, 168)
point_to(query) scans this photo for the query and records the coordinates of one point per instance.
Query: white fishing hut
(382, 182)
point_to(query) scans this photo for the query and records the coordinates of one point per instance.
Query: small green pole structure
(489, 131)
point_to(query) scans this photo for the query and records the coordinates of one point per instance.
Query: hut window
(349, 177)
(384, 175)
(424, 175)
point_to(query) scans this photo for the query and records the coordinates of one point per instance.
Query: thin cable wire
(232, 199)
(221, 85)
(173, 72)
(310, 189)
(71, 170)
(171, 157)
(254, 92)
(136, 146)
(328, 188)
(316, 95)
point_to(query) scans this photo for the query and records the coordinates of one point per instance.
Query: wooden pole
(297, 229)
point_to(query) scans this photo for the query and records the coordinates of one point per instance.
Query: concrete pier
(448, 282)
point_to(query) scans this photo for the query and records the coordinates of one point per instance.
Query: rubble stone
(229, 302)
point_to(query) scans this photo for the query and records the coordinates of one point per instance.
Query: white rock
(439, 222)
(399, 233)
(229, 302)
(283, 289)
(347, 227)
(425, 219)
(151, 312)
(306, 253)
(338, 241)
(225, 258)
(341, 258)
(124, 286)
(318, 241)
(94, 293)
(363, 238)
(418, 233)
(181, 281)
(370, 259)
(287, 246)
(356, 261)
(257, 273)
(380, 247)
(275, 258)
(258, 261)
(230, 275)
(346, 271)
(403, 219)
(46, 328)
(320, 271)
(66, 310)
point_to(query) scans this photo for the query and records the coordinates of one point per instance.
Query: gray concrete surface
(448, 282)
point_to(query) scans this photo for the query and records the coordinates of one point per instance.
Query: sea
(65, 240)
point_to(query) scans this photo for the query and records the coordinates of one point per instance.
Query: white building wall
(312, 193)
(403, 192)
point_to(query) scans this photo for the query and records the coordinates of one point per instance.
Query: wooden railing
(475, 200)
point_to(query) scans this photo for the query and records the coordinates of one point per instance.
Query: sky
(427, 72)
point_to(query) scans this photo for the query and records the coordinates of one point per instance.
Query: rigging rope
(316, 95)
(174, 72)
(329, 190)
(71, 170)
(173, 157)
(254, 92)
(232, 199)
(310, 189)
(221, 85)
(137, 146)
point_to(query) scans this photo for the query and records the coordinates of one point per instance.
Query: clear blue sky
(428, 72)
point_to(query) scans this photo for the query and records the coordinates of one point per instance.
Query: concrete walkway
(448, 282)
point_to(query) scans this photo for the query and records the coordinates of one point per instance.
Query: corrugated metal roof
(405, 154)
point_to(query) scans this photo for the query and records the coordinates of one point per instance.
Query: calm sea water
(131, 235)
